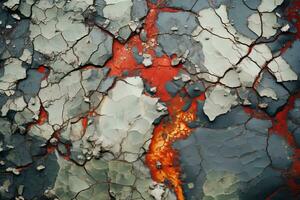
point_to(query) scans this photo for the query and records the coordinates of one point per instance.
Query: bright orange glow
(157, 75)
(161, 158)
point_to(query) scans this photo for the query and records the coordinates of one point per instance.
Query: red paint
(68, 155)
(50, 149)
(270, 197)
(286, 46)
(84, 122)
(157, 75)
(160, 72)
(293, 16)
(41, 69)
(258, 114)
(123, 58)
(280, 127)
(43, 116)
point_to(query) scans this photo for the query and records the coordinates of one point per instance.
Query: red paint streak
(41, 69)
(280, 127)
(258, 114)
(286, 46)
(68, 155)
(167, 132)
(293, 16)
(270, 197)
(50, 149)
(43, 116)
(159, 76)
(160, 72)
(84, 123)
(156, 75)
(123, 58)
(202, 97)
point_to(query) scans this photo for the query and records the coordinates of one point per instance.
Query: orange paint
(123, 58)
(157, 75)
(161, 158)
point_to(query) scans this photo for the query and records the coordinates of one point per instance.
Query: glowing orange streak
(157, 75)
(161, 158)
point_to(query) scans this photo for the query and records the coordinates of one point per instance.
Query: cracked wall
(149, 99)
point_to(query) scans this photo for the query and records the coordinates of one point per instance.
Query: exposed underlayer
(149, 99)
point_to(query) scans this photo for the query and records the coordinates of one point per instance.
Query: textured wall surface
(149, 99)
